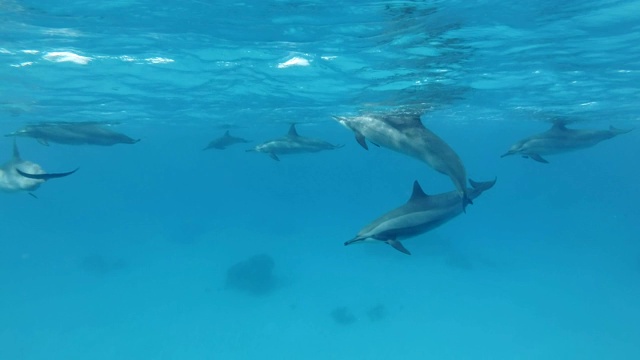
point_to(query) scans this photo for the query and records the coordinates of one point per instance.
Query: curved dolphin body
(417, 216)
(224, 141)
(22, 175)
(292, 143)
(560, 139)
(74, 133)
(405, 133)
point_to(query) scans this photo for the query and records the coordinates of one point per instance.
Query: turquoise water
(128, 258)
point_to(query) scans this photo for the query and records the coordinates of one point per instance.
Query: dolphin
(560, 139)
(74, 133)
(405, 133)
(422, 213)
(292, 143)
(22, 175)
(224, 141)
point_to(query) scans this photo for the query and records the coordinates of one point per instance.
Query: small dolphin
(292, 143)
(224, 141)
(560, 139)
(74, 133)
(419, 215)
(21, 175)
(405, 133)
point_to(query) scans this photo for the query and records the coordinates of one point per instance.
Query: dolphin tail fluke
(466, 200)
(45, 176)
(482, 185)
(398, 246)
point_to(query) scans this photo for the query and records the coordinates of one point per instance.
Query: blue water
(127, 258)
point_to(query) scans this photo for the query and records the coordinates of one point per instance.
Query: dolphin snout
(354, 240)
(510, 152)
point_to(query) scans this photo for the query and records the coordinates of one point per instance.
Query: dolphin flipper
(538, 158)
(362, 141)
(45, 176)
(274, 156)
(398, 246)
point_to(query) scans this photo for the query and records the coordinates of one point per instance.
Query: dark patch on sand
(253, 276)
(343, 315)
(377, 313)
(99, 265)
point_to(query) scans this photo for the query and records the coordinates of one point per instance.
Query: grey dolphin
(224, 141)
(419, 215)
(560, 139)
(22, 175)
(74, 133)
(292, 143)
(405, 133)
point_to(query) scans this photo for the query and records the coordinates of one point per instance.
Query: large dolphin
(74, 133)
(405, 133)
(292, 143)
(224, 141)
(560, 139)
(22, 175)
(420, 214)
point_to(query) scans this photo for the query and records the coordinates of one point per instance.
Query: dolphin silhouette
(422, 213)
(292, 143)
(405, 133)
(224, 141)
(560, 139)
(74, 133)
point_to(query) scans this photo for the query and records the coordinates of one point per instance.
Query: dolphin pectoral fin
(538, 158)
(362, 141)
(33, 195)
(43, 141)
(398, 246)
(274, 156)
(45, 176)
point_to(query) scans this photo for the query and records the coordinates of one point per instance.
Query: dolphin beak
(353, 241)
(510, 152)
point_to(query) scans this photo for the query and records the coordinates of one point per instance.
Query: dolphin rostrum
(422, 213)
(292, 143)
(405, 133)
(74, 133)
(560, 139)
(224, 141)
(22, 175)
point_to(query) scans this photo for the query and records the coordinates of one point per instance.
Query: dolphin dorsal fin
(226, 133)
(417, 193)
(292, 131)
(16, 152)
(559, 124)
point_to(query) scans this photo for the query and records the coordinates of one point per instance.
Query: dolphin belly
(409, 225)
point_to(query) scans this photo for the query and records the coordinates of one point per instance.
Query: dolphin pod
(402, 133)
(292, 143)
(22, 175)
(74, 133)
(560, 139)
(422, 213)
(405, 133)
